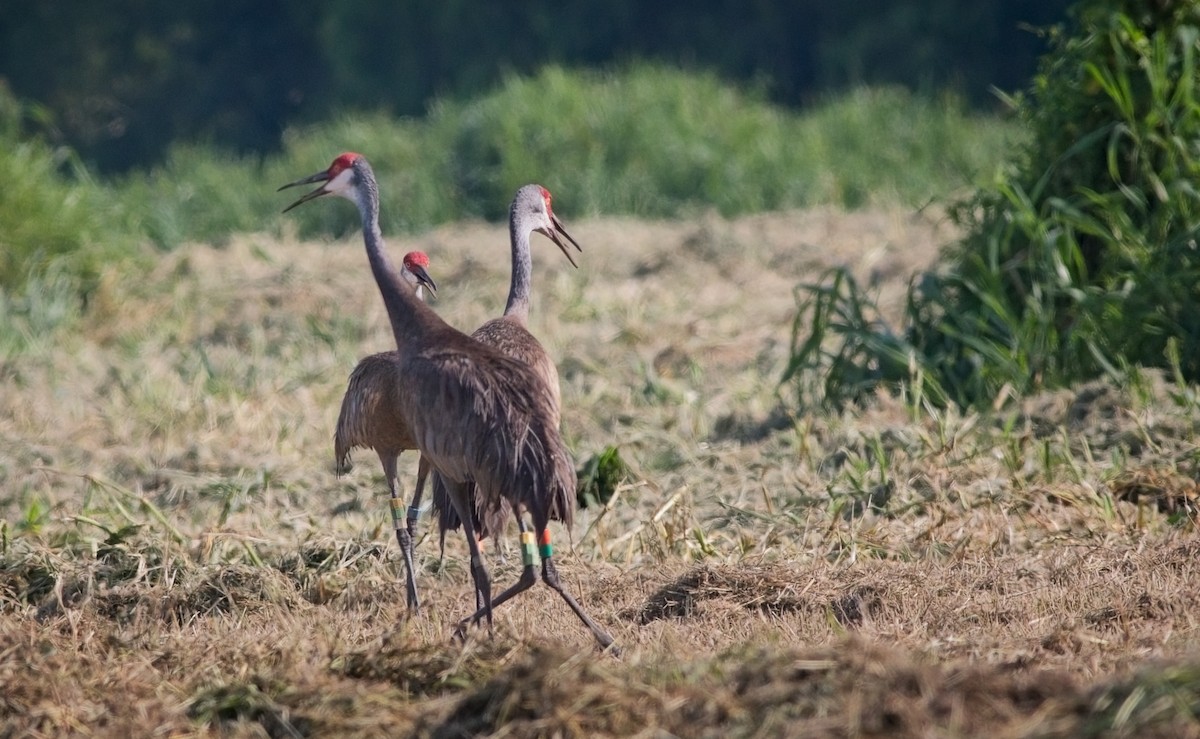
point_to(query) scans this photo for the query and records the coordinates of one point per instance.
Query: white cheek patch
(340, 185)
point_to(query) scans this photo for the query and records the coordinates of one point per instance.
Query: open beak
(556, 235)
(318, 177)
(424, 279)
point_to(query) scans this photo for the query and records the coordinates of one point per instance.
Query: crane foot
(550, 577)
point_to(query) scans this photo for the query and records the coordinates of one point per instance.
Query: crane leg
(462, 502)
(414, 508)
(403, 537)
(527, 581)
(550, 577)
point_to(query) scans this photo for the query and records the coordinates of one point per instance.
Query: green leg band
(527, 548)
(397, 513)
(546, 550)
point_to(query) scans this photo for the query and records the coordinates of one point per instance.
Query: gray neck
(522, 268)
(399, 298)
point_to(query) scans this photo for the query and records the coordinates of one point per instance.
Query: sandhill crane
(476, 414)
(371, 417)
(530, 211)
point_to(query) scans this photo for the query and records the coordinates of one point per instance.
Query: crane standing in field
(372, 417)
(477, 415)
(530, 212)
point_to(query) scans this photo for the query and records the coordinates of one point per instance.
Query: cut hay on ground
(178, 557)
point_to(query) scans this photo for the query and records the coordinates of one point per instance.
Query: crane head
(535, 201)
(339, 179)
(415, 266)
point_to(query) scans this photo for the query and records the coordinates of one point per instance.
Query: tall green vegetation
(58, 229)
(1081, 258)
(645, 140)
(656, 141)
(53, 216)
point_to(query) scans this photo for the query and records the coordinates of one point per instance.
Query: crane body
(371, 416)
(531, 211)
(477, 416)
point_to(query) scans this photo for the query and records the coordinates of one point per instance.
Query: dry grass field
(178, 557)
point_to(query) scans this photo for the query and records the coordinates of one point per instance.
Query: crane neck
(522, 269)
(404, 308)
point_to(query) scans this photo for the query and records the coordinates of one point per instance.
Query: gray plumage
(368, 416)
(530, 211)
(372, 417)
(475, 414)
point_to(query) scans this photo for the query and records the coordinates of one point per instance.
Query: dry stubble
(178, 554)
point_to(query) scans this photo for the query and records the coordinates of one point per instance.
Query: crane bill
(423, 278)
(318, 177)
(555, 234)
(563, 230)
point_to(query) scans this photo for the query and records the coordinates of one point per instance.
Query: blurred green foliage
(1081, 258)
(123, 81)
(54, 216)
(600, 476)
(647, 141)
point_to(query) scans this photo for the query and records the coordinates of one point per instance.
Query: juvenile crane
(476, 414)
(530, 212)
(372, 417)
